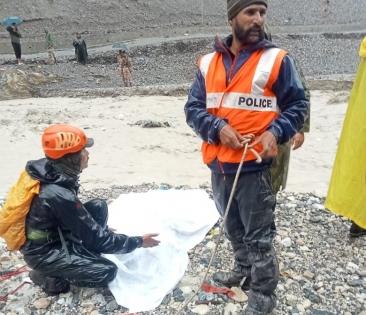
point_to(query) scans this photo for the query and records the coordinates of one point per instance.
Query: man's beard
(244, 35)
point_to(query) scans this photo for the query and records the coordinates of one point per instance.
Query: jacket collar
(44, 171)
(223, 45)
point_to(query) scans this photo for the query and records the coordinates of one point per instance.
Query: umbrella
(9, 20)
(120, 46)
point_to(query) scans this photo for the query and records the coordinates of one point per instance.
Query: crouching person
(64, 238)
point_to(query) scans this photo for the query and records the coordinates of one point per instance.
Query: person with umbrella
(11, 23)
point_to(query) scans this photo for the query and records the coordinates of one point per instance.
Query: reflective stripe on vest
(247, 102)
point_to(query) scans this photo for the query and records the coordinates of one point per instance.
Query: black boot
(260, 304)
(228, 279)
(356, 231)
(51, 286)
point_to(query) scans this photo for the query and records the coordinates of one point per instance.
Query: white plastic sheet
(182, 218)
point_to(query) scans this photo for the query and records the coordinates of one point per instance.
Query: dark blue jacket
(288, 89)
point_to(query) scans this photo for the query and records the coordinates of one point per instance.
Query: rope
(9, 274)
(4, 298)
(247, 139)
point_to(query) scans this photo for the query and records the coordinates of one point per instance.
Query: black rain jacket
(58, 205)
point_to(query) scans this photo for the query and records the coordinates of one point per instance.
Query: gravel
(323, 272)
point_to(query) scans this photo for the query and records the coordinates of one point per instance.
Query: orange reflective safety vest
(247, 102)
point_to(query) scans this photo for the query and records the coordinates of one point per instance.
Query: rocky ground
(323, 272)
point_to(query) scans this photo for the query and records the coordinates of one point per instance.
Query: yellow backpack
(15, 210)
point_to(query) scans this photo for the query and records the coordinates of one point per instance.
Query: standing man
(81, 52)
(247, 85)
(15, 42)
(50, 46)
(124, 67)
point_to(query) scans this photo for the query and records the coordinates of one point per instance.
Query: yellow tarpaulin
(347, 189)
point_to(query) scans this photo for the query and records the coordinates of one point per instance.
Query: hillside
(115, 20)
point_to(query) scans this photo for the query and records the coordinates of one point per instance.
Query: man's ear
(230, 22)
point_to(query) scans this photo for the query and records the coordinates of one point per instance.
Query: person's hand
(269, 145)
(297, 140)
(148, 240)
(230, 137)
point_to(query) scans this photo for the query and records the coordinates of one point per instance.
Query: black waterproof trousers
(17, 50)
(250, 228)
(83, 268)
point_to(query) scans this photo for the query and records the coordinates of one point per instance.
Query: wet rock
(112, 306)
(355, 282)
(312, 296)
(178, 295)
(99, 299)
(206, 297)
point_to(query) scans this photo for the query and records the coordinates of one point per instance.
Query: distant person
(347, 188)
(81, 51)
(50, 46)
(124, 67)
(15, 42)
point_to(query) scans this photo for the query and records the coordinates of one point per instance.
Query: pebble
(351, 267)
(291, 300)
(240, 295)
(308, 275)
(361, 272)
(42, 303)
(231, 309)
(201, 309)
(287, 242)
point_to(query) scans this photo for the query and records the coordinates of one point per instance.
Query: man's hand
(269, 145)
(230, 137)
(297, 140)
(148, 240)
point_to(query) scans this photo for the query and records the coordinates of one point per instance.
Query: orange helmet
(59, 140)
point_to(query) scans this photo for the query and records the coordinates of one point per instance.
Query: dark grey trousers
(86, 268)
(250, 226)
